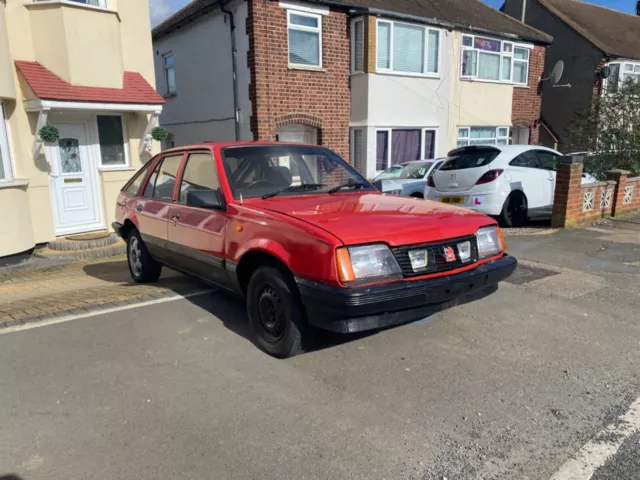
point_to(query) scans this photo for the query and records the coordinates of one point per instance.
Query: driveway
(509, 387)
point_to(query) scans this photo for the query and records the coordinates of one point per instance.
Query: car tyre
(276, 313)
(515, 210)
(143, 268)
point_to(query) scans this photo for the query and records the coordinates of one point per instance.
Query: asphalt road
(505, 388)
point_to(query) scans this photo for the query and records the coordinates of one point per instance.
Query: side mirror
(211, 199)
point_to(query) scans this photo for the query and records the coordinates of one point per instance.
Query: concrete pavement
(509, 387)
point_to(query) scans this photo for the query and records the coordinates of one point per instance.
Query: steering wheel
(265, 183)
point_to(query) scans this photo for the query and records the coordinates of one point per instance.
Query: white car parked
(513, 182)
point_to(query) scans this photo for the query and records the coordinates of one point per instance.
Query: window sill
(435, 76)
(18, 182)
(69, 3)
(495, 82)
(124, 168)
(517, 85)
(307, 68)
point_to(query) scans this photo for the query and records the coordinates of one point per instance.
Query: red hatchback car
(305, 239)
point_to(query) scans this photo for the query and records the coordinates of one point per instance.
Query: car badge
(453, 176)
(449, 254)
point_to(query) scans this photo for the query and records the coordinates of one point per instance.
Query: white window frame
(634, 64)
(300, 28)
(468, 138)
(363, 132)
(425, 60)
(5, 147)
(125, 139)
(166, 73)
(353, 45)
(505, 46)
(390, 130)
(101, 4)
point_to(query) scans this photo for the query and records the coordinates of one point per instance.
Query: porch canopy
(51, 92)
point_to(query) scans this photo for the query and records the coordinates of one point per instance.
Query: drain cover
(525, 274)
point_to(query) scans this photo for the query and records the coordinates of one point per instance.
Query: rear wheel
(515, 210)
(276, 313)
(143, 268)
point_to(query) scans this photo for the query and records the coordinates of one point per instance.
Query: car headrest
(280, 176)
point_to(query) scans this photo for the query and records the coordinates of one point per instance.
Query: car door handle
(175, 215)
(139, 207)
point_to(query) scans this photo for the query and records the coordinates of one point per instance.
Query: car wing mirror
(211, 199)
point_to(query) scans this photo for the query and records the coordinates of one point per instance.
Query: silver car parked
(407, 179)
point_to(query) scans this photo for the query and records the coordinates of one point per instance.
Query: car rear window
(478, 157)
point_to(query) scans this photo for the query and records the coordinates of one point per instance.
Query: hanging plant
(159, 134)
(49, 133)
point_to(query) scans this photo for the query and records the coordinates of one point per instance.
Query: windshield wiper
(356, 185)
(295, 188)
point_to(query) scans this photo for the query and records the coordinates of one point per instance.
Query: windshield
(477, 157)
(258, 170)
(406, 171)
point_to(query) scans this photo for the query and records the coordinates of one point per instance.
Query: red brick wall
(281, 95)
(527, 101)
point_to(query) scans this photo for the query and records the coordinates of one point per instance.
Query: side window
(199, 174)
(526, 159)
(134, 184)
(548, 160)
(163, 179)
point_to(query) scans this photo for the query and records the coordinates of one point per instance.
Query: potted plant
(49, 134)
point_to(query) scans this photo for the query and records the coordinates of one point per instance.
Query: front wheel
(143, 268)
(515, 211)
(276, 313)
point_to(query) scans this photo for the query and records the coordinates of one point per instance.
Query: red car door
(197, 227)
(154, 206)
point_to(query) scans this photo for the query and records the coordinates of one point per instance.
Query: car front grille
(437, 258)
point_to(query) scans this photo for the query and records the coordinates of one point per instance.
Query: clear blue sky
(161, 9)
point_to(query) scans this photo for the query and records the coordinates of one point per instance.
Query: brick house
(378, 82)
(587, 38)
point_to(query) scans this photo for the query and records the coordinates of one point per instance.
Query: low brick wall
(576, 203)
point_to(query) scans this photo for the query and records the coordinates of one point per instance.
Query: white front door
(74, 182)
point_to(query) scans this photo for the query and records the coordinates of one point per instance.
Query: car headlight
(393, 192)
(490, 242)
(368, 261)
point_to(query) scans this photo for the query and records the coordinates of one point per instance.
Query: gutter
(234, 68)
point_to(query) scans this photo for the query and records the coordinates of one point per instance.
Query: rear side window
(135, 183)
(548, 160)
(471, 159)
(526, 159)
(163, 179)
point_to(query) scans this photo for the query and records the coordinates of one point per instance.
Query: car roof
(509, 150)
(224, 144)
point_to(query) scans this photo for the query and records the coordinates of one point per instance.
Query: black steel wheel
(515, 210)
(143, 268)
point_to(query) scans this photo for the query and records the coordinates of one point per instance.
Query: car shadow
(10, 477)
(229, 309)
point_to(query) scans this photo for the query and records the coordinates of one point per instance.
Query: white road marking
(603, 446)
(71, 318)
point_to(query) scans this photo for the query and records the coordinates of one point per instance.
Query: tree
(610, 131)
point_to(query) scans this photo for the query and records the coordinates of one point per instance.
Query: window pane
(163, 179)
(408, 48)
(628, 67)
(489, 66)
(467, 41)
(469, 63)
(503, 132)
(168, 60)
(136, 183)
(614, 77)
(521, 53)
(358, 32)
(463, 132)
(304, 48)
(520, 72)
(507, 47)
(429, 144)
(483, 132)
(462, 143)
(405, 146)
(526, 160)
(303, 20)
(171, 80)
(199, 174)
(506, 68)
(384, 37)
(358, 151)
(487, 44)
(636, 69)
(111, 140)
(433, 51)
(382, 150)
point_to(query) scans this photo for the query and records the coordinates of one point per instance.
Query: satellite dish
(556, 73)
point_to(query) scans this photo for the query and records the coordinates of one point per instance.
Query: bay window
(482, 136)
(621, 73)
(5, 154)
(494, 60)
(400, 145)
(305, 39)
(357, 45)
(407, 48)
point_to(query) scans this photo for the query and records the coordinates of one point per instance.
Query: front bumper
(348, 310)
